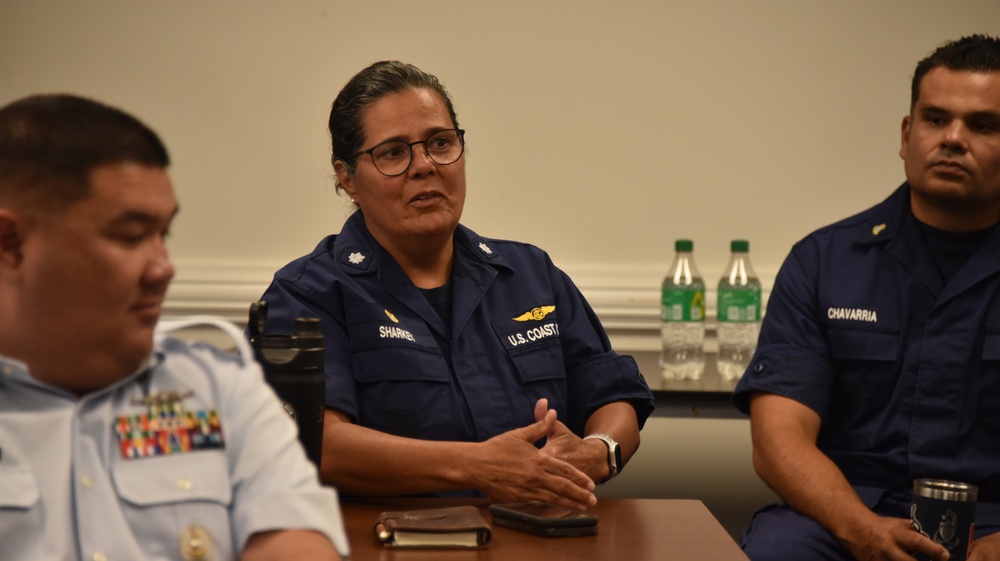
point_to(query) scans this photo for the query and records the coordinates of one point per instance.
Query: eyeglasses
(394, 157)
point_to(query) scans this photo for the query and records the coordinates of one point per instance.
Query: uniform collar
(884, 222)
(485, 250)
(355, 249)
(14, 369)
(892, 224)
(17, 371)
(476, 260)
(357, 252)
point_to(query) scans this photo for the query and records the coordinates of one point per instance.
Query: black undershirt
(440, 299)
(951, 250)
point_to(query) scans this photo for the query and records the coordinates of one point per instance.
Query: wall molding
(626, 298)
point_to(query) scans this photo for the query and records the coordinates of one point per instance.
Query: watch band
(614, 456)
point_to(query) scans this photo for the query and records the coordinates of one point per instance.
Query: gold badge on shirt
(195, 544)
(536, 314)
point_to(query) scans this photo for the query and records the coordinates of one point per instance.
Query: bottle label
(683, 304)
(739, 306)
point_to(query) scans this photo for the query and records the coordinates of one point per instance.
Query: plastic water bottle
(738, 313)
(682, 314)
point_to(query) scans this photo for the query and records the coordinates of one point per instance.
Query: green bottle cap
(739, 245)
(683, 245)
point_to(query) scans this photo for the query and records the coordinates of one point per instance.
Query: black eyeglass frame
(410, 145)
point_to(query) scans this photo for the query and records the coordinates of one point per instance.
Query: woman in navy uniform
(449, 356)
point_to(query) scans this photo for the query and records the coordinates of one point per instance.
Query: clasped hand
(514, 470)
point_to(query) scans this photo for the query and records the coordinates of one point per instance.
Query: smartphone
(543, 519)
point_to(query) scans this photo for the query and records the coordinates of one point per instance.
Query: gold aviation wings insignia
(536, 313)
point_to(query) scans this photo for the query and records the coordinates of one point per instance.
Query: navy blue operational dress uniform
(901, 363)
(519, 330)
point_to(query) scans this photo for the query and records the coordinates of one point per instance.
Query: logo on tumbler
(946, 532)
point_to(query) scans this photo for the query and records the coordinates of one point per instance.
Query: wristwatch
(614, 456)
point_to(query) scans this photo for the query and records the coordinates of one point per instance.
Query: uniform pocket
(370, 326)
(534, 348)
(177, 478)
(18, 488)
(400, 363)
(406, 390)
(539, 363)
(991, 347)
(863, 345)
(533, 345)
(402, 379)
(20, 514)
(170, 499)
(987, 421)
(867, 374)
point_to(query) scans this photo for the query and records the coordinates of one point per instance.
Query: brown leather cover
(459, 526)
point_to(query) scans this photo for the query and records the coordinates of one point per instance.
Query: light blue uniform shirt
(68, 491)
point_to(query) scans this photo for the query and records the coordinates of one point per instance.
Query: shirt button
(759, 368)
(99, 557)
(86, 482)
(185, 484)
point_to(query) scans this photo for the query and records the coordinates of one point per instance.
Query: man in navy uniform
(879, 358)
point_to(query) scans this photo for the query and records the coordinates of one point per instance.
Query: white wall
(598, 130)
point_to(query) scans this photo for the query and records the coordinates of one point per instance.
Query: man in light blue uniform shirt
(879, 359)
(114, 447)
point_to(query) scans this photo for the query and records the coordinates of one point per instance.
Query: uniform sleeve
(596, 374)
(792, 357)
(274, 486)
(308, 295)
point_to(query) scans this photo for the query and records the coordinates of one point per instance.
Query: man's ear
(905, 135)
(11, 238)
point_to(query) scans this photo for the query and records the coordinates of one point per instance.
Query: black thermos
(293, 366)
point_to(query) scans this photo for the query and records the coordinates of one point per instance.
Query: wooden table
(628, 530)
